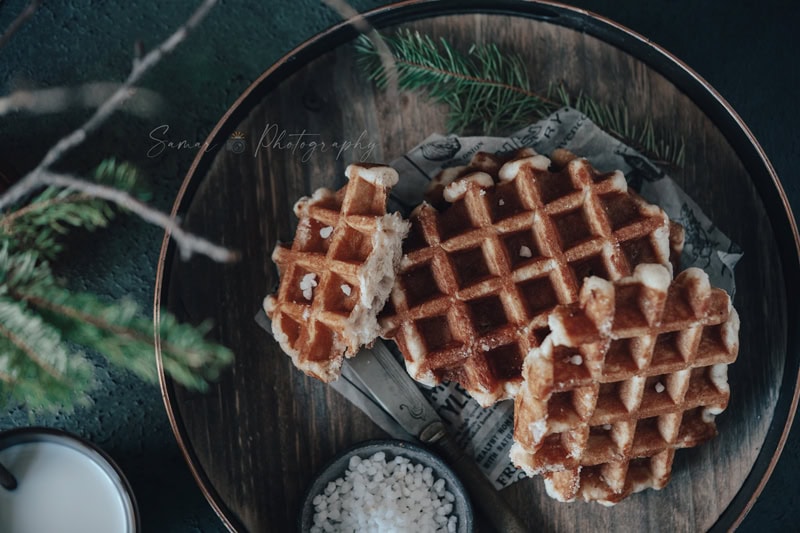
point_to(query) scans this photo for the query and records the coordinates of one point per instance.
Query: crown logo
(237, 135)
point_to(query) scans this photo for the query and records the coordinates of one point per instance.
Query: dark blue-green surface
(747, 50)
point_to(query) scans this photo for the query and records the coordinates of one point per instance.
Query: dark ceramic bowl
(462, 507)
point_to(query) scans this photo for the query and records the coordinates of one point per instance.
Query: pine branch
(489, 90)
(71, 202)
(41, 322)
(187, 242)
(126, 338)
(36, 367)
(483, 88)
(42, 312)
(39, 224)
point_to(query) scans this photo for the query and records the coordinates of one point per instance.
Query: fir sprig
(125, 338)
(36, 367)
(42, 323)
(490, 90)
(45, 327)
(42, 222)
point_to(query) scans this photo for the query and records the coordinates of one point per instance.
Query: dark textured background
(747, 50)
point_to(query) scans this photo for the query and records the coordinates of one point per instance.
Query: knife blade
(395, 391)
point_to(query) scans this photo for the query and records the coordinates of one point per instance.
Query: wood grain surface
(257, 438)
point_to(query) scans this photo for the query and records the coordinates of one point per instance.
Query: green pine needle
(40, 224)
(125, 338)
(44, 326)
(36, 367)
(489, 90)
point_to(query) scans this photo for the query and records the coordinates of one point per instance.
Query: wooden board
(256, 439)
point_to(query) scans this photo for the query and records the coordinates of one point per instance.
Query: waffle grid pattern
(479, 278)
(321, 272)
(634, 371)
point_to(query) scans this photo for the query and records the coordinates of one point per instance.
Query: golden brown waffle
(479, 278)
(338, 272)
(634, 371)
(490, 164)
(481, 163)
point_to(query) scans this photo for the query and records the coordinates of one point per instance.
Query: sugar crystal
(379, 495)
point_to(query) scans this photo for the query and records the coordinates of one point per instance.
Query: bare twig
(187, 243)
(41, 175)
(17, 23)
(125, 90)
(386, 56)
(88, 95)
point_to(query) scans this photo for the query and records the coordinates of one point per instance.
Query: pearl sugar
(387, 496)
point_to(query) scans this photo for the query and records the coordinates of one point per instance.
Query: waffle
(633, 371)
(479, 278)
(338, 271)
(480, 164)
(490, 164)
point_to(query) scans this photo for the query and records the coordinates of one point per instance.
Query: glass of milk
(64, 484)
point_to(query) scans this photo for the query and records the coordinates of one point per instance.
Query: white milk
(60, 490)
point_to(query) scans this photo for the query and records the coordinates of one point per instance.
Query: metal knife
(398, 394)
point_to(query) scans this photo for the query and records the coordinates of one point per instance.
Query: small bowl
(64, 483)
(462, 507)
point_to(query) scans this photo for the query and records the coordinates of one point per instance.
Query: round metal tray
(256, 439)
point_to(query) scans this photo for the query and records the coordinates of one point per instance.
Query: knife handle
(484, 496)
